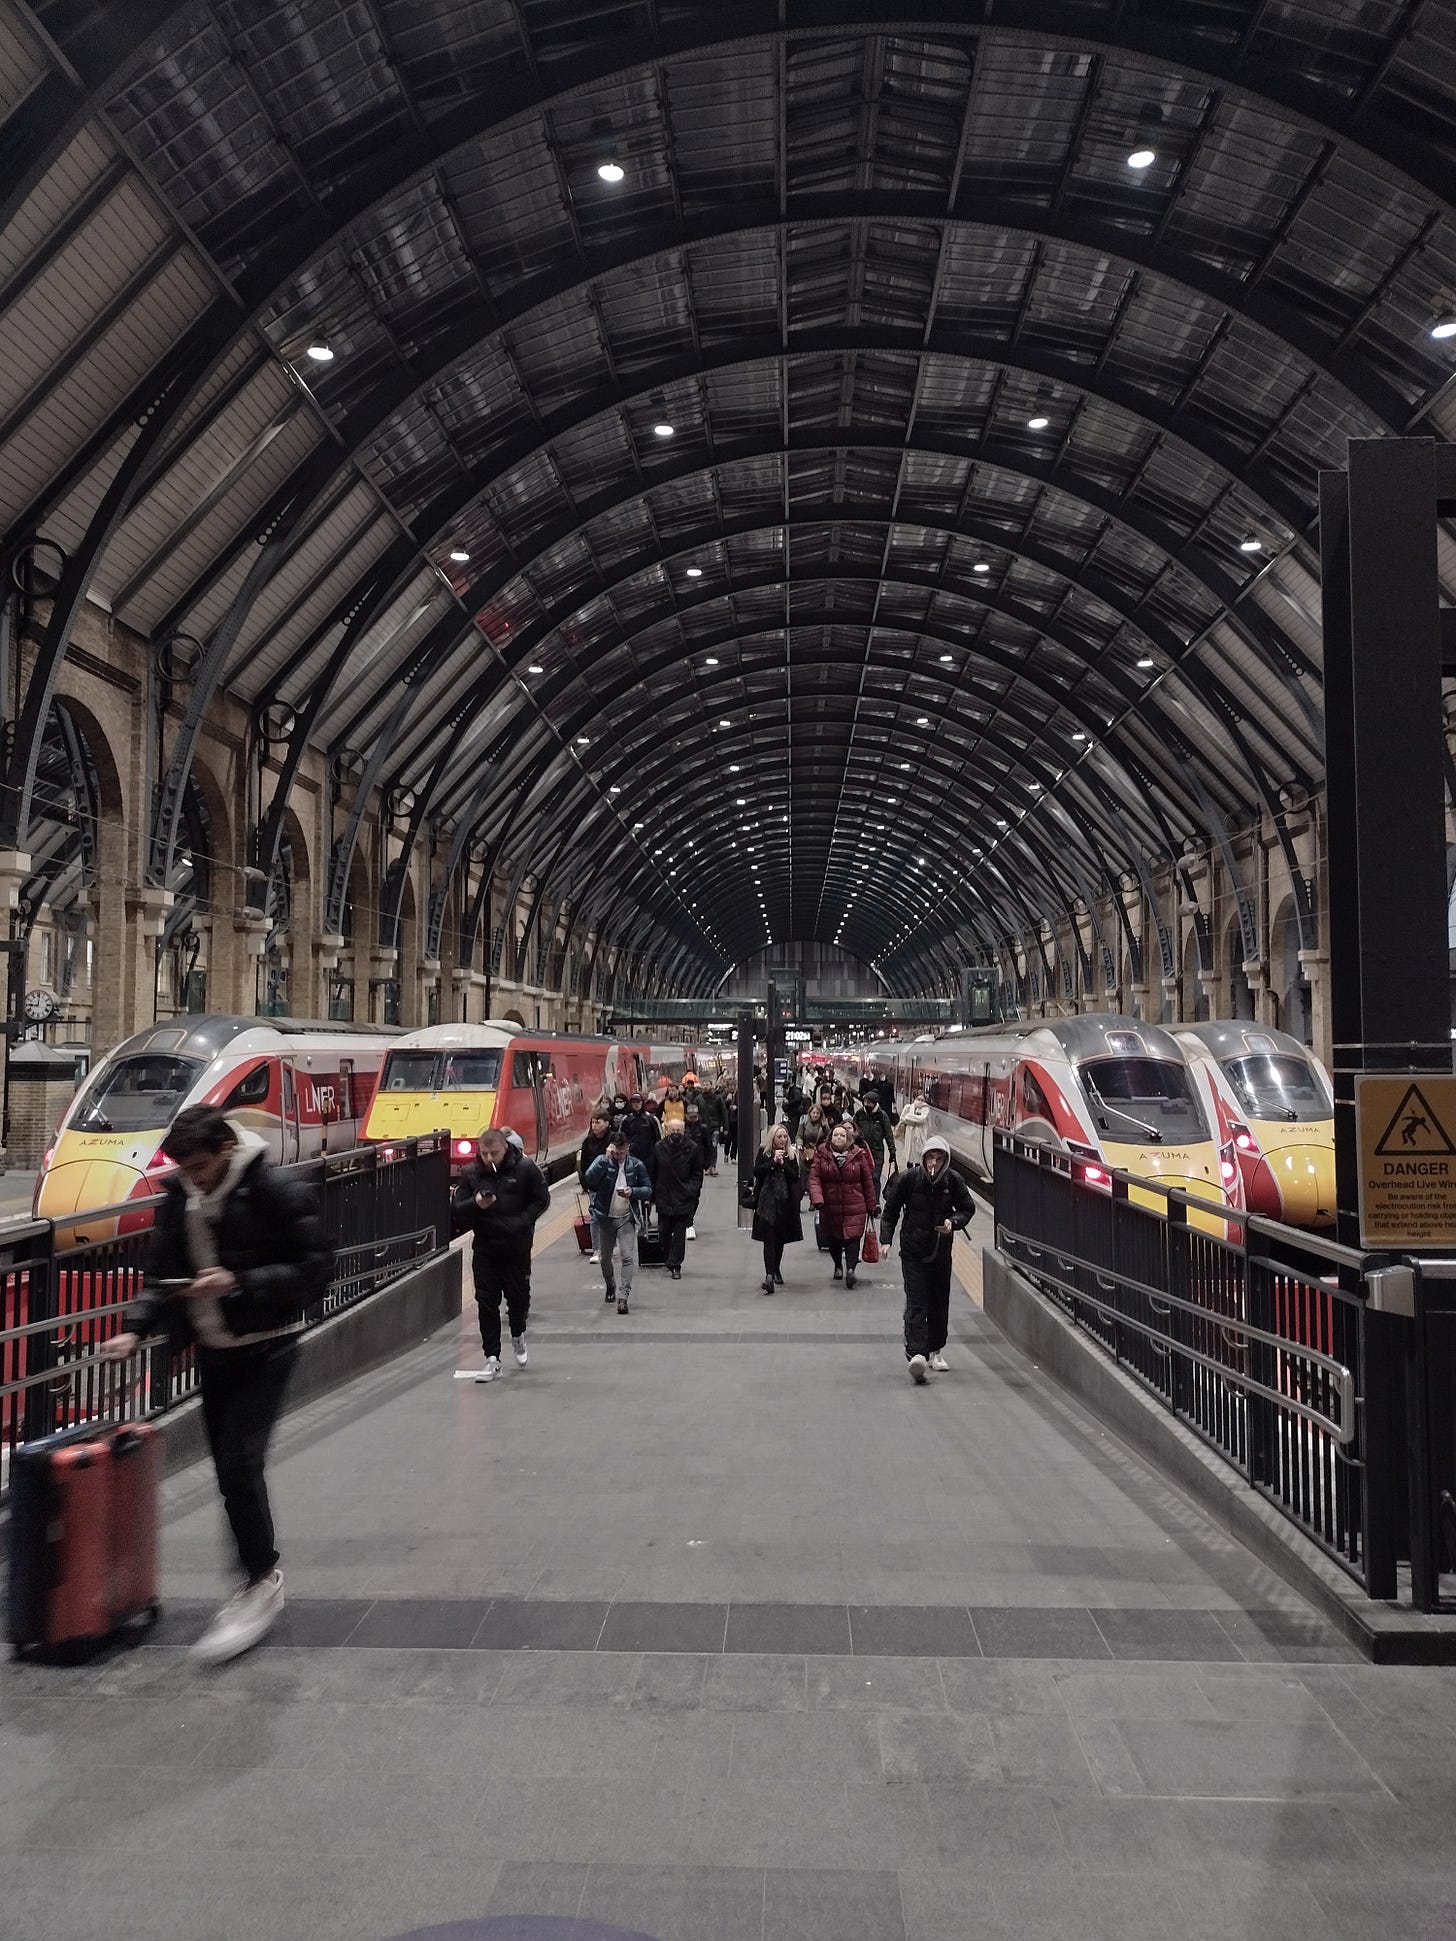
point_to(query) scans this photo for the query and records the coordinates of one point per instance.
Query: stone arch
(1293, 996)
(1195, 994)
(1241, 995)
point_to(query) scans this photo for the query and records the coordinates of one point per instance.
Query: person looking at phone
(237, 1252)
(776, 1219)
(499, 1197)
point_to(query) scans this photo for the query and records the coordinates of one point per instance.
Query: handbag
(748, 1194)
(869, 1251)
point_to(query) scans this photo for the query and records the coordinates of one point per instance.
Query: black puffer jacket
(642, 1132)
(592, 1148)
(925, 1203)
(269, 1235)
(521, 1197)
(776, 1200)
(676, 1169)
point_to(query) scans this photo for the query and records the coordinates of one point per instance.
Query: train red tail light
(1089, 1171)
(464, 1148)
(1245, 1141)
(160, 1163)
(46, 1157)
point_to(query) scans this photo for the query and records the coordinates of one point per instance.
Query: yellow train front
(444, 1078)
(1280, 1113)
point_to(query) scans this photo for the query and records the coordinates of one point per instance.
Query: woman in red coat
(846, 1197)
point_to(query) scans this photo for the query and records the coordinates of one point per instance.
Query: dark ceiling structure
(754, 471)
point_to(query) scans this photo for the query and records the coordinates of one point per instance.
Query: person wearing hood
(499, 1197)
(934, 1203)
(640, 1129)
(237, 1253)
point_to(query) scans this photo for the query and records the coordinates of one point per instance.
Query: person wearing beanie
(934, 1203)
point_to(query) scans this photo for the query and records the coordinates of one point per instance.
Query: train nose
(1304, 1177)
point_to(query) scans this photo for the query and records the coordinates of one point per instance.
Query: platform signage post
(747, 1110)
(1407, 1128)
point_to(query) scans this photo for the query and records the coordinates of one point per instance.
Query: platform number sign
(1407, 1139)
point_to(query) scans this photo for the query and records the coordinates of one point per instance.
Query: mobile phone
(172, 1285)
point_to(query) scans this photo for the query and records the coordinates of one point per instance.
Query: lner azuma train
(1276, 1100)
(1113, 1092)
(301, 1085)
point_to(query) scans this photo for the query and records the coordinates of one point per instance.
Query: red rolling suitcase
(83, 1537)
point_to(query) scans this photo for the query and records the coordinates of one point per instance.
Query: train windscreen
(1143, 1098)
(136, 1094)
(433, 1071)
(1279, 1087)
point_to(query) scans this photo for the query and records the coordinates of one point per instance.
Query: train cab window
(521, 1072)
(471, 1071)
(136, 1094)
(1034, 1101)
(409, 1071)
(251, 1089)
(1279, 1087)
(1142, 1098)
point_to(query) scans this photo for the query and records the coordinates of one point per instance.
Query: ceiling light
(1251, 543)
(695, 572)
(741, 801)
(320, 353)
(535, 668)
(639, 825)
(732, 768)
(905, 767)
(611, 171)
(1142, 158)
(1146, 662)
(711, 661)
(1078, 735)
(1038, 423)
(459, 555)
(980, 567)
(945, 660)
(662, 429)
(1444, 326)
(725, 723)
(922, 721)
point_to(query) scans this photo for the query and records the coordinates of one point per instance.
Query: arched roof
(976, 571)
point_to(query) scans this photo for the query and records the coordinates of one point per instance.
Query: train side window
(251, 1089)
(543, 1063)
(1034, 1101)
(521, 1069)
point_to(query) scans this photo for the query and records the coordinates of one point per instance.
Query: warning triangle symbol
(1414, 1128)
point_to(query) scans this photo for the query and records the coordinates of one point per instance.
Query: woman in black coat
(776, 1219)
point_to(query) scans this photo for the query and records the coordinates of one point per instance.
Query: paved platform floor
(708, 1626)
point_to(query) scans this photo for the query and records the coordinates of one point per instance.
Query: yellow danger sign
(1407, 1134)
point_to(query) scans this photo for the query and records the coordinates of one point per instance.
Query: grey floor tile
(419, 1622)
(319, 1621)
(1006, 1828)
(450, 1677)
(567, 1678)
(1033, 1751)
(750, 1683)
(875, 1685)
(550, 1624)
(677, 1903)
(537, 1887)
(1038, 1633)
(783, 1628)
(1219, 1759)
(889, 1826)
(1135, 1692)
(996, 1685)
(928, 1750)
(831, 1905)
(774, 1748)
(671, 1683)
(1152, 1634)
(664, 1627)
(913, 1631)
(956, 1903)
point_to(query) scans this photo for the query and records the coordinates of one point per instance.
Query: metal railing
(1259, 1337)
(384, 1209)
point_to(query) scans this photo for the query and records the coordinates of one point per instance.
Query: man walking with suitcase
(499, 1198)
(935, 1203)
(237, 1253)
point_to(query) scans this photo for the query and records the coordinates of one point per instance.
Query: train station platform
(709, 1626)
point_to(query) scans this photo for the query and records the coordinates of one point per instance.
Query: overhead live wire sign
(1407, 1136)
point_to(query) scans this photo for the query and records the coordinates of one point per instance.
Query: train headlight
(464, 1148)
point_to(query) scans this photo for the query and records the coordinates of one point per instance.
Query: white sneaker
(939, 1363)
(518, 1347)
(490, 1370)
(596, 1260)
(241, 1622)
(917, 1368)
(692, 1233)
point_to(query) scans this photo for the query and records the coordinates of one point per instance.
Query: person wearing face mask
(845, 1196)
(676, 1171)
(639, 1128)
(776, 1221)
(500, 1196)
(935, 1204)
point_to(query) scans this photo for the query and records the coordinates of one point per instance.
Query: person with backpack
(620, 1187)
(776, 1221)
(935, 1203)
(237, 1252)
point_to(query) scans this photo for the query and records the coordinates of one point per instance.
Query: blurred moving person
(640, 1129)
(595, 1143)
(846, 1196)
(935, 1203)
(499, 1198)
(776, 1220)
(714, 1108)
(620, 1188)
(730, 1115)
(237, 1252)
(695, 1130)
(676, 1170)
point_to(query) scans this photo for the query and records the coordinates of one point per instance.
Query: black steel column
(773, 1038)
(747, 1104)
(1390, 1004)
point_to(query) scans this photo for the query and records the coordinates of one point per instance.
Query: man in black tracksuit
(935, 1202)
(640, 1129)
(676, 1171)
(499, 1198)
(237, 1254)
